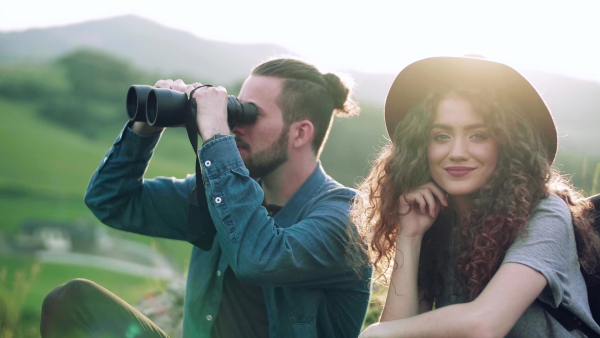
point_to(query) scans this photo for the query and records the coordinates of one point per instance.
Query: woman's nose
(458, 150)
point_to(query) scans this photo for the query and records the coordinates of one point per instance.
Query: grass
(45, 168)
(44, 157)
(596, 181)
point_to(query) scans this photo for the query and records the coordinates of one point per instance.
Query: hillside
(154, 48)
(575, 104)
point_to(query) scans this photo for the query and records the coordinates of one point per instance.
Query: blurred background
(65, 70)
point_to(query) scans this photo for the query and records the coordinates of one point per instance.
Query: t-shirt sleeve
(548, 246)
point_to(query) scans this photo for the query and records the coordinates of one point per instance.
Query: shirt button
(209, 318)
(207, 163)
(218, 272)
(218, 200)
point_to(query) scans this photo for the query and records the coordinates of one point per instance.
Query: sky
(371, 36)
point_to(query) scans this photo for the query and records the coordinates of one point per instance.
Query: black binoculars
(163, 107)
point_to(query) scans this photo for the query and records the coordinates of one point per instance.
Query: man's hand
(211, 104)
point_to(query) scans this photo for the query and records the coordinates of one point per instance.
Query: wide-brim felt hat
(417, 79)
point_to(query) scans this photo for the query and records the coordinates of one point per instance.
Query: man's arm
(121, 198)
(144, 129)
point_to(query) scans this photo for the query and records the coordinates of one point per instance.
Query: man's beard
(265, 161)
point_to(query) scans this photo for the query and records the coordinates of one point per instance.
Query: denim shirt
(298, 256)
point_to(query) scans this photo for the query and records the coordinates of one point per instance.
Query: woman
(466, 210)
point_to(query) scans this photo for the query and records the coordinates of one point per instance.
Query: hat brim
(414, 82)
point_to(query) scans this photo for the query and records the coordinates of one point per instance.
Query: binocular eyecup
(163, 107)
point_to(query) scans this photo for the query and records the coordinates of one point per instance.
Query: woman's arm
(418, 210)
(402, 298)
(493, 313)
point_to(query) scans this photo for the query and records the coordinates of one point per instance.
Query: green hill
(46, 167)
(150, 47)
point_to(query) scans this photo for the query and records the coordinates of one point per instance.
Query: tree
(98, 84)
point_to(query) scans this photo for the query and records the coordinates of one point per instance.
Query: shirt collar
(308, 190)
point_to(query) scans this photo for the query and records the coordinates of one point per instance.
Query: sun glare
(377, 36)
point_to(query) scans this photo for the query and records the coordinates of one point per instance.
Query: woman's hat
(414, 82)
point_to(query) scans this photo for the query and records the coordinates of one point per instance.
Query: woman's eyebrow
(448, 127)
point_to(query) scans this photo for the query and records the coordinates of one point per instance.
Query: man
(279, 263)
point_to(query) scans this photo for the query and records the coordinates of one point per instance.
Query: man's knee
(73, 290)
(64, 300)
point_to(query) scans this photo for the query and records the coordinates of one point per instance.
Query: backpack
(562, 315)
(593, 284)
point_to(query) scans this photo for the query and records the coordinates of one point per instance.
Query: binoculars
(163, 107)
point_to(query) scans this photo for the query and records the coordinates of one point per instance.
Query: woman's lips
(458, 171)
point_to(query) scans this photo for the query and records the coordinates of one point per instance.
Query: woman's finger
(438, 192)
(431, 201)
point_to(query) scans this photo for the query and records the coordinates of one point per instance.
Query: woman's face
(462, 155)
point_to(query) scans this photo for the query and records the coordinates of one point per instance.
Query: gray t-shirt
(548, 246)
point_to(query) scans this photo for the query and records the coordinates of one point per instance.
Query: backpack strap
(569, 320)
(596, 202)
(564, 316)
(593, 282)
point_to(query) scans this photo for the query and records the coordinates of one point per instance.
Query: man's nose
(239, 129)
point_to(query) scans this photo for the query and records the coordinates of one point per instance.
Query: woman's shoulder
(553, 203)
(548, 229)
(551, 210)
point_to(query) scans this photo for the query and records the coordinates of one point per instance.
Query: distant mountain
(575, 105)
(152, 47)
(144, 43)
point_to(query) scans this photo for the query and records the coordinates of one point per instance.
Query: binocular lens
(136, 102)
(151, 109)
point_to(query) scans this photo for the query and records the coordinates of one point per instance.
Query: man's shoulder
(321, 187)
(336, 190)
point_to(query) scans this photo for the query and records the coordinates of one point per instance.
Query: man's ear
(301, 133)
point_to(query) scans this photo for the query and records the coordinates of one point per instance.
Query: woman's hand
(419, 208)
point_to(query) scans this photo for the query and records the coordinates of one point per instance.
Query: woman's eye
(441, 137)
(479, 136)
